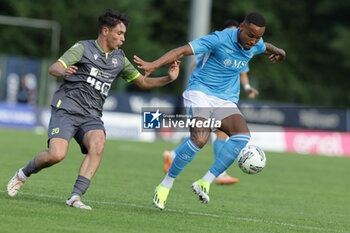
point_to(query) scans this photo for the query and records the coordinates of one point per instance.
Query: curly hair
(111, 18)
(256, 19)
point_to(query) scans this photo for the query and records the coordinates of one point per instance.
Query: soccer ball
(251, 159)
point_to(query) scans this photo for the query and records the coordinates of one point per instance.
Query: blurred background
(306, 95)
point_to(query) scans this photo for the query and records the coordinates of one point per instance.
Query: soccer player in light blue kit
(213, 92)
(221, 137)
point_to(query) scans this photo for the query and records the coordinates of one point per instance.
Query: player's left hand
(69, 71)
(146, 66)
(174, 70)
(276, 57)
(252, 92)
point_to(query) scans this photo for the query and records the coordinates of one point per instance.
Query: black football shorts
(67, 125)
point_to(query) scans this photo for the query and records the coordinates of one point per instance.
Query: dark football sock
(81, 185)
(30, 168)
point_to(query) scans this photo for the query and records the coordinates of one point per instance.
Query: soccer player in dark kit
(88, 69)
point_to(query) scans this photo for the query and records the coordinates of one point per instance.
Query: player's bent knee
(97, 148)
(199, 141)
(56, 157)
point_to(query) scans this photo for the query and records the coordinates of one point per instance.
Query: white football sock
(209, 177)
(168, 181)
(222, 174)
(172, 155)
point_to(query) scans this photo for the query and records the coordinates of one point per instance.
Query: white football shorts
(198, 104)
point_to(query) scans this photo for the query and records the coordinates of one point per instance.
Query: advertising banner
(314, 142)
(21, 116)
(296, 116)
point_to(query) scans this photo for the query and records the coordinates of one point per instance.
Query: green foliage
(314, 34)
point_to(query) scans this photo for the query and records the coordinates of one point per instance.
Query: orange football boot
(167, 161)
(226, 179)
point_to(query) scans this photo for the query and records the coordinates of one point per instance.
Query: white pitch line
(191, 213)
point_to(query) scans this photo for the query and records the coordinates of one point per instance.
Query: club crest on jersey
(227, 62)
(95, 56)
(114, 62)
(93, 72)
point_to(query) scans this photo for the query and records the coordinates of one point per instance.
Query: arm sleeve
(129, 72)
(72, 55)
(205, 44)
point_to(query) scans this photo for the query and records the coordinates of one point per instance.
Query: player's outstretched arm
(276, 54)
(145, 82)
(57, 69)
(167, 58)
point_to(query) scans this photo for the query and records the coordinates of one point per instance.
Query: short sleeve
(72, 55)
(129, 72)
(260, 48)
(205, 44)
(245, 68)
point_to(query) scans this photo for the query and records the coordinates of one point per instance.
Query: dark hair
(255, 18)
(230, 23)
(111, 18)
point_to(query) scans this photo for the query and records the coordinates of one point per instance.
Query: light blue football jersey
(217, 74)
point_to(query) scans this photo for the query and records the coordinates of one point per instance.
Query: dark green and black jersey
(85, 91)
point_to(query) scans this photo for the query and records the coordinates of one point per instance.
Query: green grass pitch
(294, 193)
